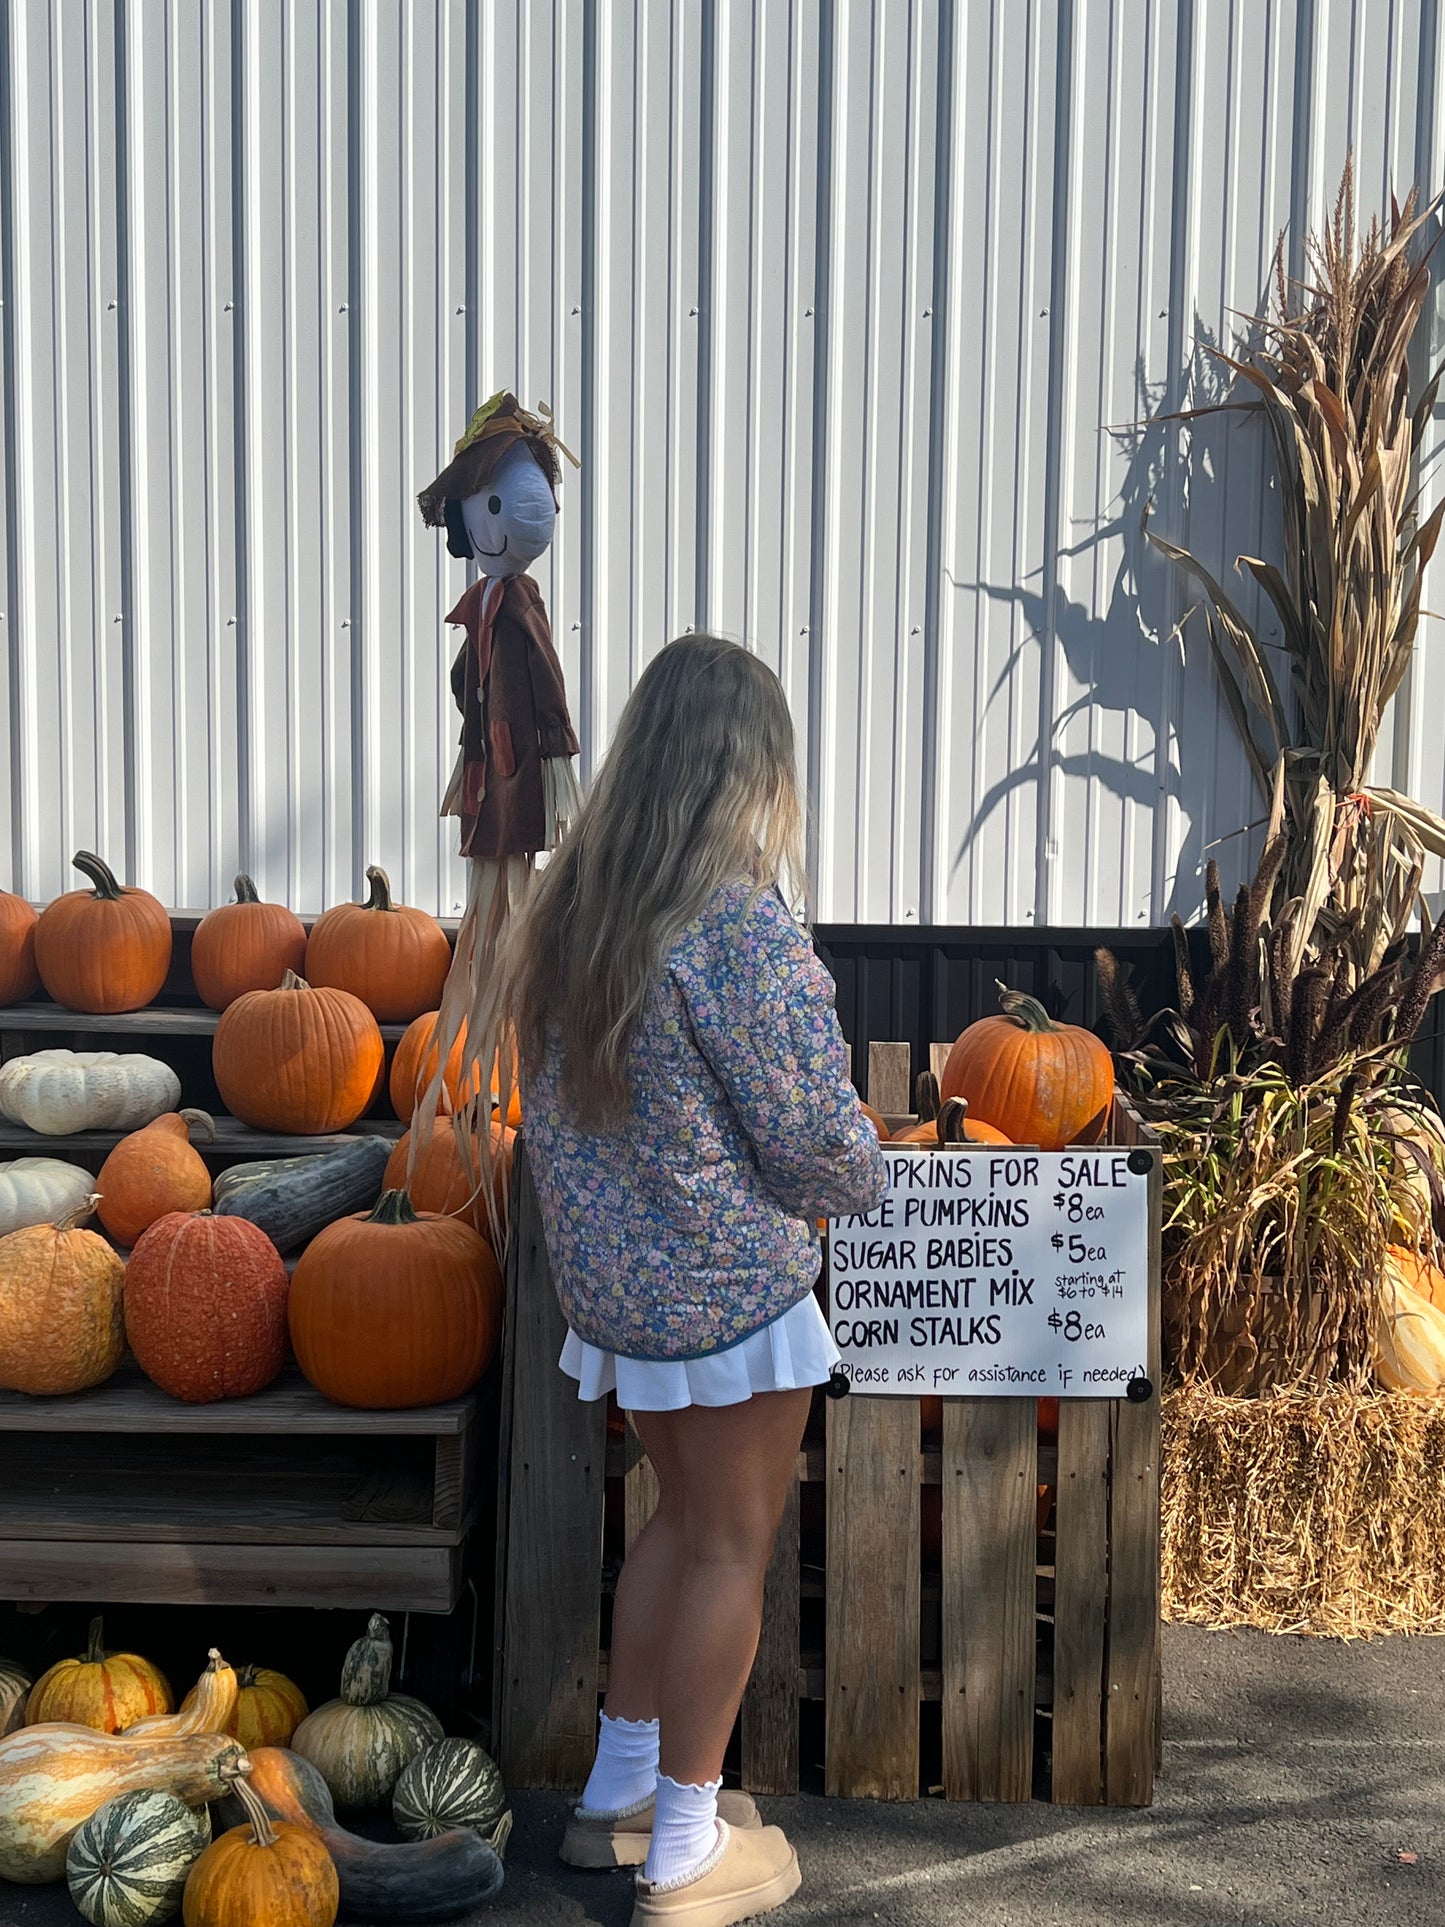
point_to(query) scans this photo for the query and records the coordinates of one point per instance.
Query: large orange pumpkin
(105, 1691)
(394, 958)
(1036, 1081)
(205, 1307)
(1419, 1273)
(270, 1871)
(443, 1182)
(153, 1171)
(391, 1309)
(415, 1065)
(245, 945)
(18, 976)
(106, 949)
(298, 1059)
(61, 1327)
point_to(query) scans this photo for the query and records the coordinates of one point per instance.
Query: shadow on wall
(1208, 483)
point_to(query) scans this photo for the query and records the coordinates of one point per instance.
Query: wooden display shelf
(233, 1140)
(157, 1020)
(280, 1499)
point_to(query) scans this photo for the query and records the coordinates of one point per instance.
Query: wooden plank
(369, 1578)
(640, 1490)
(770, 1704)
(157, 1020)
(812, 1461)
(1081, 1579)
(873, 1552)
(990, 1457)
(452, 1477)
(128, 1402)
(547, 1730)
(937, 1058)
(890, 1078)
(1132, 1705)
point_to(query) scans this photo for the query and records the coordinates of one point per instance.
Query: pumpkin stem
(199, 1119)
(100, 874)
(246, 890)
(1025, 1010)
(292, 982)
(925, 1097)
(246, 1677)
(392, 1207)
(214, 1662)
(71, 1220)
(951, 1121)
(366, 1670)
(380, 898)
(262, 1832)
(94, 1649)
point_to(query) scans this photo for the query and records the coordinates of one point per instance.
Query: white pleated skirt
(795, 1351)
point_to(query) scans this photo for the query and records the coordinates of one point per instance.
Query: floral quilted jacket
(693, 1224)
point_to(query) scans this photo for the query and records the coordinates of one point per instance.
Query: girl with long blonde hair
(690, 1117)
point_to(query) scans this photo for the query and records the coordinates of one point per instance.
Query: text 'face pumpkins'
(391, 1309)
(153, 1171)
(394, 958)
(245, 945)
(297, 1059)
(105, 1691)
(360, 1742)
(205, 1307)
(61, 1324)
(18, 976)
(105, 949)
(1036, 1081)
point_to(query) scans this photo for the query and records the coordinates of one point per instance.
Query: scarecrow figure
(513, 786)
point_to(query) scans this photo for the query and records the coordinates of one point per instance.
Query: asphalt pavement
(1303, 1782)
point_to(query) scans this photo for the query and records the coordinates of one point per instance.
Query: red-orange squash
(392, 1309)
(155, 1170)
(448, 1184)
(101, 1690)
(105, 949)
(298, 1059)
(245, 945)
(18, 976)
(1036, 1081)
(205, 1307)
(415, 1065)
(394, 958)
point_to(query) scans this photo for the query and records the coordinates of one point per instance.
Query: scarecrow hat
(499, 424)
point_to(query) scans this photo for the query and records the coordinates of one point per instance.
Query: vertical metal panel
(852, 310)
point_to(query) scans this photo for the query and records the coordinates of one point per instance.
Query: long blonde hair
(699, 787)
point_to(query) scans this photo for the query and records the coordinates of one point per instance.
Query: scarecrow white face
(509, 523)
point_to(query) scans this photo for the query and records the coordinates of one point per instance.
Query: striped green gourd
(127, 1864)
(453, 1784)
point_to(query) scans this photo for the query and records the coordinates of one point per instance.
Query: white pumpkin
(39, 1191)
(58, 1092)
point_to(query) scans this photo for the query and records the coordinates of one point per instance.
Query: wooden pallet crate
(1012, 1634)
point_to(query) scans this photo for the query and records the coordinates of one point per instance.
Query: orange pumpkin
(270, 1871)
(394, 958)
(298, 1059)
(18, 976)
(268, 1708)
(415, 1065)
(877, 1122)
(153, 1171)
(443, 1181)
(106, 949)
(105, 1691)
(245, 945)
(1418, 1273)
(205, 1307)
(952, 1125)
(392, 1309)
(1048, 1418)
(61, 1326)
(1036, 1081)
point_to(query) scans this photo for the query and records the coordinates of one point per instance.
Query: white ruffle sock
(684, 1831)
(624, 1774)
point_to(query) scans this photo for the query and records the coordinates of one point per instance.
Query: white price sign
(997, 1273)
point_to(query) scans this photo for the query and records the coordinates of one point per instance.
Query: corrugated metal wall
(846, 307)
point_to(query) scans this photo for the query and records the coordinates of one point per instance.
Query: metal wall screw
(806, 313)
(915, 630)
(804, 630)
(1043, 314)
(230, 622)
(461, 310)
(109, 305)
(343, 308)
(576, 311)
(926, 313)
(692, 310)
(117, 618)
(227, 306)
(346, 622)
